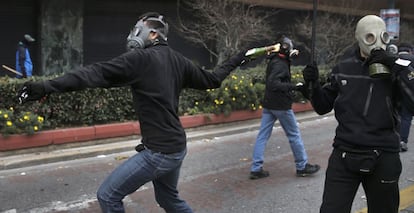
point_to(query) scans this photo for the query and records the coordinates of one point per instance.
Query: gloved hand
(240, 58)
(302, 89)
(311, 73)
(381, 56)
(299, 86)
(31, 91)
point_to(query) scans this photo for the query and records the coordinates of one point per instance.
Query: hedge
(241, 90)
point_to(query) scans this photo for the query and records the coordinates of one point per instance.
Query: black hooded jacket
(156, 76)
(279, 89)
(365, 107)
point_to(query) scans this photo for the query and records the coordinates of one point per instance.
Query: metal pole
(313, 40)
(315, 9)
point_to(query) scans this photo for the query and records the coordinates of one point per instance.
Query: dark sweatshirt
(156, 76)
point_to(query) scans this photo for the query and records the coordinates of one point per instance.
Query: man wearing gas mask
(277, 104)
(364, 91)
(156, 75)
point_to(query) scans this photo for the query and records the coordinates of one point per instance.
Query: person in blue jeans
(156, 74)
(277, 105)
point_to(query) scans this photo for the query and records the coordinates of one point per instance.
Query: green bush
(241, 90)
(19, 123)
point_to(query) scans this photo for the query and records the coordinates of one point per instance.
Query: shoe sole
(304, 175)
(252, 177)
(307, 174)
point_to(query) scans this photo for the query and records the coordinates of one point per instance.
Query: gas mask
(286, 48)
(139, 35)
(371, 34)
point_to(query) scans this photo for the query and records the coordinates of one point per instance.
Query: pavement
(38, 156)
(56, 153)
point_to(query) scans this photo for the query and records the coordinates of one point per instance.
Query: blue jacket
(24, 63)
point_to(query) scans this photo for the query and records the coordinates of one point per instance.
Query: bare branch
(223, 27)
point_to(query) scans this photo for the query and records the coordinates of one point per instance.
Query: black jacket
(405, 100)
(365, 107)
(156, 76)
(279, 89)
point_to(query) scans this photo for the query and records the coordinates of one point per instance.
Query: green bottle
(259, 51)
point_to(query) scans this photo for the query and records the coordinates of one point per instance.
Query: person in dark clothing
(24, 63)
(405, 51)
(366, 144)
(156, 75)
(277, 104)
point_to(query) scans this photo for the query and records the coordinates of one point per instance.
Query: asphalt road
(214, 178)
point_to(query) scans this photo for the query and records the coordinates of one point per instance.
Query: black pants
(380, 186)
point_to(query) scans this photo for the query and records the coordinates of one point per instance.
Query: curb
(56, 153)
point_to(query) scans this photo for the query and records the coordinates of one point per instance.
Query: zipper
(367, 103)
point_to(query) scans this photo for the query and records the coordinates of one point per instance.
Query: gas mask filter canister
(138, 37)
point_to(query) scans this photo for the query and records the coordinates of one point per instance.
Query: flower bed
(82, 134)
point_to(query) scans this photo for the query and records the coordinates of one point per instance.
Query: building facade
(72, 33)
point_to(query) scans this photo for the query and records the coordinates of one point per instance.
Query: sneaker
(403, 146)
(308, 170)
(260, 174)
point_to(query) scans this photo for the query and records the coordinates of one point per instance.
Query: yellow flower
(6, 116)
(221, 102)
(236, 87)
(26, 117)
(260, 107)
(1, 112)
(234, 98)
(251, 84)
(9, 123)
(196, 103)
(234, 77)
(11, 108)
(35, 128)
(40, 119)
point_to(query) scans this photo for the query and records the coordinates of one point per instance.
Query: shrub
(12, 122)
(238, 92)
(242, 90)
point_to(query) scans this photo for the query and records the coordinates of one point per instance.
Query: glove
(311, 73)
(299, 86)
(302, 89)
(379, 55)
(31, 91)
(240, 58)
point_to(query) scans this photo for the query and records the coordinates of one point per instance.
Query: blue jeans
(406, 118)
(162, 169)
(288, 122)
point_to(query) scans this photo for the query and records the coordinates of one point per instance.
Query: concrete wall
(61, 35)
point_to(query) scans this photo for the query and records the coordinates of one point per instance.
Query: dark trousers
(381, 186)
(406, 118)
